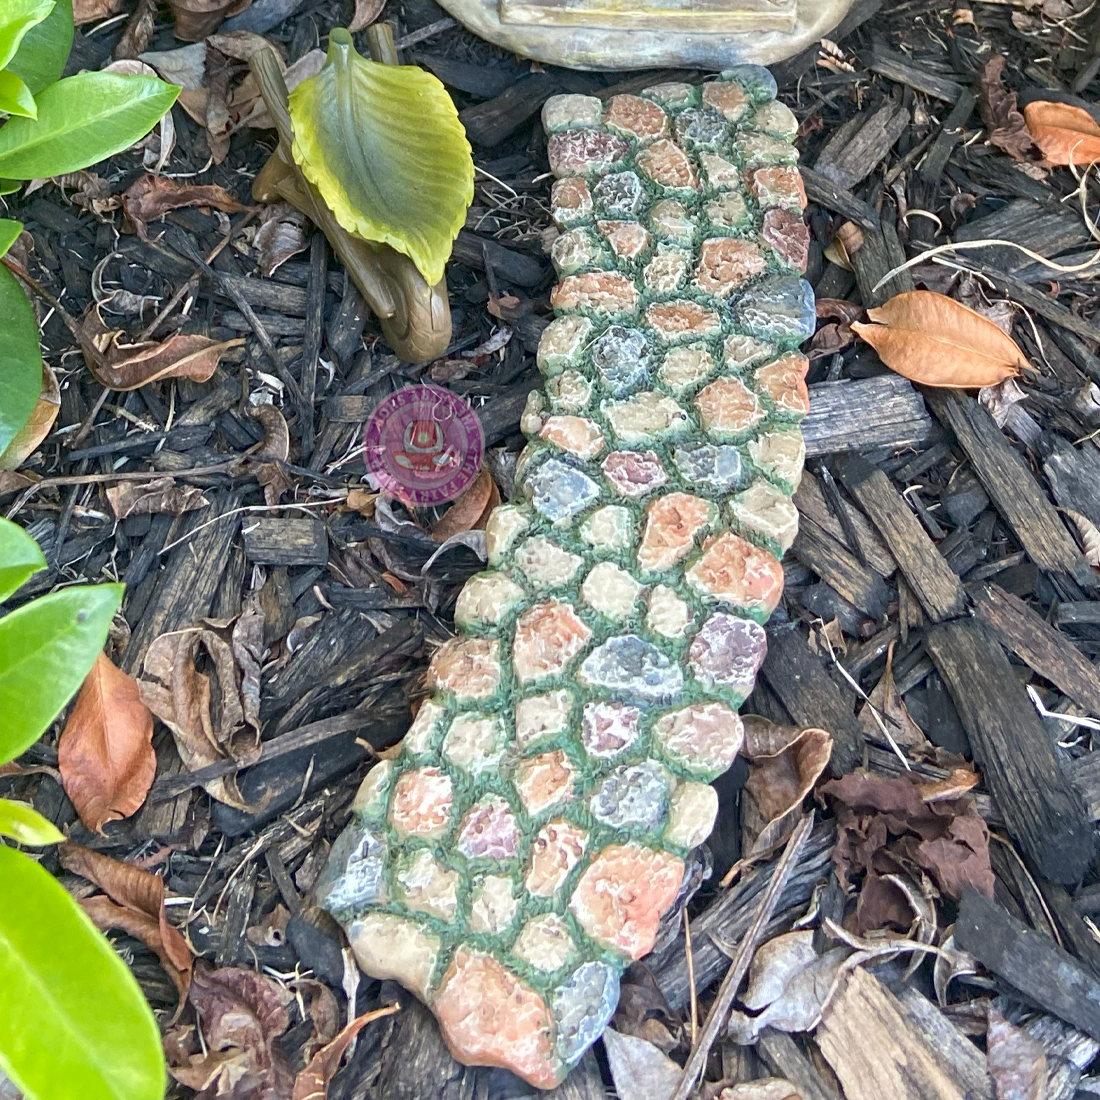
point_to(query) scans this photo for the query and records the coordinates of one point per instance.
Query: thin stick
(693, 1071)
(691, 980)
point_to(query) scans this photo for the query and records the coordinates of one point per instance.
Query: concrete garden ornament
(521, 850)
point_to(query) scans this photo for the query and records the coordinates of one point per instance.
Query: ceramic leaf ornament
(521, 850)
(384, 147)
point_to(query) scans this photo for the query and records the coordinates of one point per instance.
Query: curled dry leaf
(282, 234)
(134, 905)
(884, 705)
(786, 762)
(639, 1069)
(246, 103)
(932, 339)
(766, 1088)
(275, 446)
(366, 12)
(204, 712)
(1090, 537)
(151, 197)
(1066, 134)
(89, 11)
(105, 754)
(951, 962)
(468, 512)
(26, 441)
(312, 1082)
(997, 106)
(161, 496)
(1017, 1061)
(195, 19)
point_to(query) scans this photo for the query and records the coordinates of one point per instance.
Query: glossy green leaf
(9, 187)
(46, 650)
(25, 825)
(9, 233)
(82, 120)
(20, 357)
(384, 146)
(15, 96)
(20, 558)
(42, 54)
(73, 1022)
(16, 18)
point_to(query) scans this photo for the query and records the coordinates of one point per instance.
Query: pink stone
(577, 152)
(556, 851)
(488, 830)
(489, 1017)
(602, 291)
(726, 97)
(667, 164)
(634, 473)
(728, 406)
(470, 667)
(627, 239)
(725, 263)
(570, 200)
(608, 728)
(779, 186)
(636, 117)
(704, 737)
(622, 895)
(728, 652)
(544, 780)
(575, 434)
(738, 573)
(788, 235)
(784, 381)
(548, 636)
(421, 803)
(672, 522)
(674, 320)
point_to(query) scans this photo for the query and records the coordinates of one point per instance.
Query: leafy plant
(74, 1024)
(55, 125)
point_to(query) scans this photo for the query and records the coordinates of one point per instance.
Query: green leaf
(9, 234)
(16, 18)
(15, 96)
(384, 146)
(25, 825)
(9, 187)
(82, 120)
(46, 650)
(73, 1022)
(45, 49)
(20, 357)
(20, 558)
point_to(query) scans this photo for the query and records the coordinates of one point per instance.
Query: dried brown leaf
(997, 106)
(766, 1088)
(467, 510)
(639, 1070)
(105, 754)
(195, 19)
(891, 712)
(275, 446)
(26, 441)
(281, 234)
(366, 13)
(246, 104)
(151, 197)
(1066, 134)
(1090, 537)
(1017, 1061)
(88, 11)
(932, 339)
(160, 496)
(312, 1082)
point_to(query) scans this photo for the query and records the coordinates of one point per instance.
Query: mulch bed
(933, 537)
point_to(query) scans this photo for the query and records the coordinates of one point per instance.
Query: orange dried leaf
(1066, 134)
(106, 755)
(312, 1082)
(467, 511)
(936, 341)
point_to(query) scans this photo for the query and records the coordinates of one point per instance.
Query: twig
(740, 964)
(694, 997)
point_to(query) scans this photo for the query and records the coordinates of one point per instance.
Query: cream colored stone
(719, 173)
(776, 118)
(569, 392)
(728, 211)
(740, 352)
(426, 886)
(373, 797)
(645, 415)
(691, 814)
(545, 563)
(575, 250)
(505, 525)
(562, 342)
(668, 615)
(542, 717)
(530, 420)
(486, 598)
(780, 454)
(475, 742)
(395, 949)
(562, 112)
(670, 220)
(494, 904)
(686, 366)
(545, 943)
(667, 270)
(424, 729)
(609, 528)
(611, 590)
(768, 511)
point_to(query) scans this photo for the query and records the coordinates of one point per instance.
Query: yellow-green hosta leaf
(25, 825)
(384, 147)
(15, 96)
